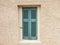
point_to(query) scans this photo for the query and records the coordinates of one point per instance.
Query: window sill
(30, 41)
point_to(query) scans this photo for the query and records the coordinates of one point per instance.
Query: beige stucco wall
(49, 22)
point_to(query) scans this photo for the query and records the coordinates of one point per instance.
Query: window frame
(20, 25)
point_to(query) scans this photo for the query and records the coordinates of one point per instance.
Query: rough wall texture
(49, 21)
(8, 22)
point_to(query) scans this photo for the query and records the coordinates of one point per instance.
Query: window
(29, 23)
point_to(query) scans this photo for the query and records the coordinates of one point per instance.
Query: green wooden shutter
(34, 23)
(25, 24)
(29, 23)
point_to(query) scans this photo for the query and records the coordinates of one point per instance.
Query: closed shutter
(29, 23)
(33, 23)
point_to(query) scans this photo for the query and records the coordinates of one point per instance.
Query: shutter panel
(33, 24)
(25, 14)
(33, 14)
(25, 24)
(33, 29)
(25, 30)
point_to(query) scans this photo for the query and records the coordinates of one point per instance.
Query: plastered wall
(49, 21)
